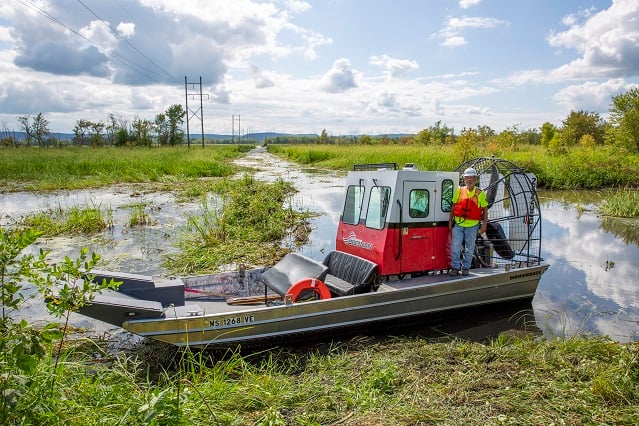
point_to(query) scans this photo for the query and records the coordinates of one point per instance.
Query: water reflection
(591, 287)
(626, 229)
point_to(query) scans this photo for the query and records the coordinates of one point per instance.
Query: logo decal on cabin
(352, 240)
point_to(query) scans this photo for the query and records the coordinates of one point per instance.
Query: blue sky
(347, 66)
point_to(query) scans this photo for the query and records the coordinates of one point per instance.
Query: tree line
(165, 129)
(579, 128)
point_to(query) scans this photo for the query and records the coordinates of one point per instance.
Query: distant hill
(258, 137)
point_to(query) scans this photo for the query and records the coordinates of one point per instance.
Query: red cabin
(397, 218)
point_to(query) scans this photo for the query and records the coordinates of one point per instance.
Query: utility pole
(198, 113)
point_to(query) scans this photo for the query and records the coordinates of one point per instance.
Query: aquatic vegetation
(246, 223)
(621, 203)
(139, 215)
(73, 220)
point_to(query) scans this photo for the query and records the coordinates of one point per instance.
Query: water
(591, 287)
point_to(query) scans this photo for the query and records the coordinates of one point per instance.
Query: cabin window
(447, 195)
(419, 202)
(378, 207)
(353, 204)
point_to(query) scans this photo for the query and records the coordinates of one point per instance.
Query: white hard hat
(470, 172)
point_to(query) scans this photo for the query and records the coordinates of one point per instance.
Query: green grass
(74, 220)
(399, 381)
(139, 215)
(75, 168)
(580, 168)
(342, 157)
(623, 203)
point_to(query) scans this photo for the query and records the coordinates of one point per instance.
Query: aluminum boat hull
(218, 324)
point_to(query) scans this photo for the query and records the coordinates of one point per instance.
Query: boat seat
(292, 268)
(348, 274)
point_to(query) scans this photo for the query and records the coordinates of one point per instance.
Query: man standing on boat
(469, 210)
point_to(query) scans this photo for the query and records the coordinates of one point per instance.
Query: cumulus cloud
(126, 29)
(591, 96)
(608, 41)
(392, 66)
(339, 78)
(98, 33)
(158, 41)
(62, 59)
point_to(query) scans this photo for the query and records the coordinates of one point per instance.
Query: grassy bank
(400, 381)
(580, 168)
(76, 168)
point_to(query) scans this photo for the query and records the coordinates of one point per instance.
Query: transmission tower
(198, 112)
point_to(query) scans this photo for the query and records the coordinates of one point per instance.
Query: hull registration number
(237, 320)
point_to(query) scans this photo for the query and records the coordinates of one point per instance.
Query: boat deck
(197, 307)
(397, 284)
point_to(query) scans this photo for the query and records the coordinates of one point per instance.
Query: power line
(118, 35)
(29, 4)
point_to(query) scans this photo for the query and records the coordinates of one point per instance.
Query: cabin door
(418, 219)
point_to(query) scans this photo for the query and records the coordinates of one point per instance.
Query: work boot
(453, 272)
(465, 272)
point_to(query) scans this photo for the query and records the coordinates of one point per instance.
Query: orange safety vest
(468, 207)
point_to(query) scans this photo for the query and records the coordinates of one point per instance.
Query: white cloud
(5, 35)
(454, 26)
(126, 29)
(296, 6)
(99, 34)
(394, 67)
(465, 4)
(591, 96)
(339, 78)
(454, 41)
(608, 42)
(457, 24)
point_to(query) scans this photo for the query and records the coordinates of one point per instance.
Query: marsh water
(591, 286)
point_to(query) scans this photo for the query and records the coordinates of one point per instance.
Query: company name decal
(352, 240)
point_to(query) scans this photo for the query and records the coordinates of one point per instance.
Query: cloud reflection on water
(592, 285)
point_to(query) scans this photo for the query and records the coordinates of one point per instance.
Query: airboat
(390, 265)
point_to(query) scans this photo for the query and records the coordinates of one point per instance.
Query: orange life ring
(312, 284)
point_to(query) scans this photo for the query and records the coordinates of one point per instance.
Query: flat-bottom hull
(217, 324)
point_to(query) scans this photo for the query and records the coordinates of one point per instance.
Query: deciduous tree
(175, 116)
(580, 123)
(624, 120)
